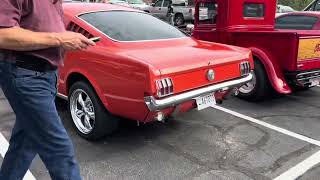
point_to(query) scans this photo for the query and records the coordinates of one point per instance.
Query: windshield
(135, 2)
(131, 26)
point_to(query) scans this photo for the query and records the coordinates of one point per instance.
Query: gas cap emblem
(210, 75)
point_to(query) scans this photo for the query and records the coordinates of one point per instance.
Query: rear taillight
(190, 11)
(164, 87)
(245, 68)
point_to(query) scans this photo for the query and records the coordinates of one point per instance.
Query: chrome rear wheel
(249, 86)
(259, 88)
(90, 117)
(82, 111)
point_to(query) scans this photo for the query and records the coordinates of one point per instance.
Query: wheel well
(256, 58)
(75, 77)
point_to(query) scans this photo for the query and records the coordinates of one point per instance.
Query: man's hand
(74, 41)
(19, 39)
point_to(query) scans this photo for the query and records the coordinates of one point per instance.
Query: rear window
(131, 26)
(298, 22)
(253, 10)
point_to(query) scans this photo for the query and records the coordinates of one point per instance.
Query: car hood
(181, 57)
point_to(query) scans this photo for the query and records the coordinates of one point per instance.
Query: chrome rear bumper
(159, 104)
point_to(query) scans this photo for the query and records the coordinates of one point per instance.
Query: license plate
(315, 82)
(205, 101)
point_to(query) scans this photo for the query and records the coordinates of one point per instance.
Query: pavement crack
(283, 159)
(302, 102)
(182, 153)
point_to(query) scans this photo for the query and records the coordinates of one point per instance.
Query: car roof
(74, 9)
(302, 13)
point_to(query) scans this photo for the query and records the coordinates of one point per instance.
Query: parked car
(118, 2)
(285, 60)
(181, 11)
(138, 4)
(142, 69)
(313, 6)
(281, 9)
(299, 20)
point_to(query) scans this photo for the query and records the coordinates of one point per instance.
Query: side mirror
(153, 4)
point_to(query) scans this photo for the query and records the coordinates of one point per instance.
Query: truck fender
(274, 73)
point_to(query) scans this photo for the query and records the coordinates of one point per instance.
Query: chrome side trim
(159, 104)
(62, 96)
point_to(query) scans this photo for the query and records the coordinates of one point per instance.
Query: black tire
(262, 88)
(179, 20)
(104, 124)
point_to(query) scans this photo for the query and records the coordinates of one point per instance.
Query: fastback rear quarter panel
(280, 47)
(121, 82)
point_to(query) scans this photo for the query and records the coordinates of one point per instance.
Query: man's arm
(19, 39)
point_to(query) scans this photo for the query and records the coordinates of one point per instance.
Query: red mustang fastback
(142, 69)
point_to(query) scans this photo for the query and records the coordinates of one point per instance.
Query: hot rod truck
(285, 60)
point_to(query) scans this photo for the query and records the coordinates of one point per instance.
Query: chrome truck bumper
(308, 79)
(160, 104)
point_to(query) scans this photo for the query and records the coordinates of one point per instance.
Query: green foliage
(295, 4)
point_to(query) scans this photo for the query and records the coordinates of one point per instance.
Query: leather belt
(33, 63)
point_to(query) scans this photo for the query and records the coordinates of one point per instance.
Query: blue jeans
(38, 128)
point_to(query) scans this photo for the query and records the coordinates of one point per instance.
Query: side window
(208, 12)
(166, 3)
(296, 22)
(253, 10)
(158, 3)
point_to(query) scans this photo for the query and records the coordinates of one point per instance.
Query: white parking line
(270, 126)
(3, 149)
(301, 168)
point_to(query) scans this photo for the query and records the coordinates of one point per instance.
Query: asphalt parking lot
(203, 145)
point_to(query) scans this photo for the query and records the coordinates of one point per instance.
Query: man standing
(32, 41)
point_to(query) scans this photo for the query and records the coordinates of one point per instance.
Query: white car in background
(281, 9)
(138, 4)
(118, 2)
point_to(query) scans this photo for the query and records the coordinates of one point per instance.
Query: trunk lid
(188, 65)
